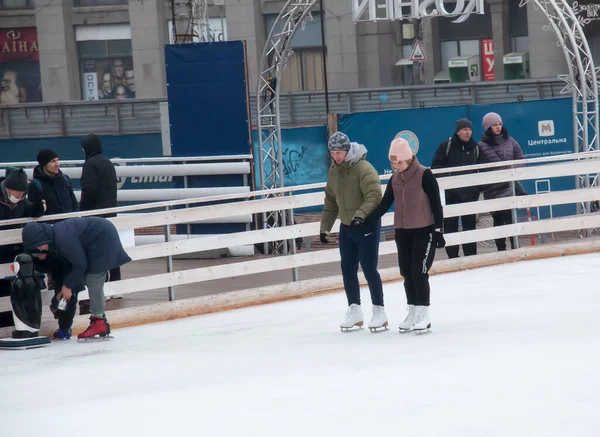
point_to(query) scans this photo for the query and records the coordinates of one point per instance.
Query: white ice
(514, 352)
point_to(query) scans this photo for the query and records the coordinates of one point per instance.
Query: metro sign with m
(546, 128)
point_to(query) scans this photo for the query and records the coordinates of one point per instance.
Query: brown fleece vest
(412, 207)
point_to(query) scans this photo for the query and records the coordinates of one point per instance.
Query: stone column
(431, 47)
(245, 22)
(500, 34)
(58, 51)
(545, 57)
(341, 41)
(148, 38)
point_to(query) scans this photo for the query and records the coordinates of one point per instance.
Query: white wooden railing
(559, 166)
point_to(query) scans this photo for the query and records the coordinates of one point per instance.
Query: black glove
(357, 223)
(323, 238)
(440, 242)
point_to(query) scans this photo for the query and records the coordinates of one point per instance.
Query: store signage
(487, 49)
(19, 44)
(376, 10)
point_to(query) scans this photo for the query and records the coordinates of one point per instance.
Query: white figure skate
(353, 318)
(379, 320)
(410, 320)
(423, 321)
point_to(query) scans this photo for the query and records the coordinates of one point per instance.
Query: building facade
(66, 50)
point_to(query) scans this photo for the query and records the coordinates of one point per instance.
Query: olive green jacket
(353, 189)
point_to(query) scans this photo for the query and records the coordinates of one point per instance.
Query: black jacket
(98, 180)
(56, 191)
(90, 244)
(459, 154)
(9, 211)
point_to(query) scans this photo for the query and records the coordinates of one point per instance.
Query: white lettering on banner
(586, 13)
(90, 81)
(141, 179)
(385, 10)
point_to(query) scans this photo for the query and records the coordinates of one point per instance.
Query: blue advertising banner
(208, 105)
(305, 156)
(423, 128)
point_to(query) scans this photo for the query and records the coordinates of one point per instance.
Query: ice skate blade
(94, 339)
(382, 328)
(405, 331)
(423, 331)
(357, 327)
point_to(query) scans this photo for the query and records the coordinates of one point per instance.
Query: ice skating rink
(515, 351)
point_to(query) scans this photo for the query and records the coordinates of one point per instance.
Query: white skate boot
(410, 320)
(423, 321)
(379, 320)
(354, 317)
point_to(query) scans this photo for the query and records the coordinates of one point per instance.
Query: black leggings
(416, 251)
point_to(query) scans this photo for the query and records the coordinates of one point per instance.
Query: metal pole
(186, 185)
(515, 238)
(324, 55)
(169, 258)
(295, 269)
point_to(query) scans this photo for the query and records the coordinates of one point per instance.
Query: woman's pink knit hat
(400, 150)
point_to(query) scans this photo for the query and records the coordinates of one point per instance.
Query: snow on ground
(514, 352)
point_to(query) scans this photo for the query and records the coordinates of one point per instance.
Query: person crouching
(92, 246)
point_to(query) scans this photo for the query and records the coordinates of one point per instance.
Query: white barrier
(575, 165)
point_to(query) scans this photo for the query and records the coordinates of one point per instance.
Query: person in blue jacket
(92, 246)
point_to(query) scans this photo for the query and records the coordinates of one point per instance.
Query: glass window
(309, 37)
(16, 4)
(91, 49)
(520, 44)
(104, 49)
(475, 27)
(107, 79)
(304, 71)
(448, 50)
(518, 19)
(119, 47)
(79, 3)
(469, 48)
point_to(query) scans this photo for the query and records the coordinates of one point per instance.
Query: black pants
(416, 251)
(469, 223)
(502, 218)
(361, 245)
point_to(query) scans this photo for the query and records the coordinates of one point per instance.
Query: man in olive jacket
(353, 190)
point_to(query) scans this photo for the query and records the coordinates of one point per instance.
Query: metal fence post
(295, 269)
(514, 214)
(169, 257)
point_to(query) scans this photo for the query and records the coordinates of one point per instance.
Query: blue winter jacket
(90, 244)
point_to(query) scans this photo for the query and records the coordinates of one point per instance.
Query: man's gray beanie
(339, 141)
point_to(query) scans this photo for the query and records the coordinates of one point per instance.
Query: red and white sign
(19, 44)
(487, 50)
(417, 54)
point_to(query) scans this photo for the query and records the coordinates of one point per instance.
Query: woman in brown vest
(418, 219)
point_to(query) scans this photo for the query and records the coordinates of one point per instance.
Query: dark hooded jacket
(498, 148)
(56, 191)
(459, 154)
(90, 244)
(9, 211)
(98, 178)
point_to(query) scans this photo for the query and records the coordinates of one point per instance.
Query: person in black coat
(52, 185)
(98, 190)
(459, 150)
(98, 177)
(14, 205)
(92, 246)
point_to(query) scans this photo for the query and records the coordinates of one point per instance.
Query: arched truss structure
(274, 59)
(581, 82)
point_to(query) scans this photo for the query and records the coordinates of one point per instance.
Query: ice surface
(514, 352)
